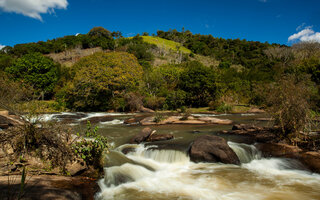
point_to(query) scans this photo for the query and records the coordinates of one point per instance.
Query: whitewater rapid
(149, 173)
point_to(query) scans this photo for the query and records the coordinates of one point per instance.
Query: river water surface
(163, 170)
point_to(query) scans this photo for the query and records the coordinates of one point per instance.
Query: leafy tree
(99, 77)
(199, 83)
(37, 70)
(5, 61)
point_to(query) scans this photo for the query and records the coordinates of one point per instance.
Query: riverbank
(39, 187)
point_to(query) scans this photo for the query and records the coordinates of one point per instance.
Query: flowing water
(163, 170)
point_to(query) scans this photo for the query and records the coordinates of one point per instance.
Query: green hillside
(164, 43)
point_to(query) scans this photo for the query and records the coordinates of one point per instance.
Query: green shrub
(37, 70)
(224, 108)
(154, 102)
(186, 115)
(158, 117)
(213, 105)
(91, 148)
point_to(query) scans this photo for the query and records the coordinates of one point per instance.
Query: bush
(134, 101)
(288, 101)
(154, 102)
(213, 105)
(91, 148)
(158, 117)
(224, 108)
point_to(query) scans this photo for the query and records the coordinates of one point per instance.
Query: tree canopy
(36, 70)
(99, 77)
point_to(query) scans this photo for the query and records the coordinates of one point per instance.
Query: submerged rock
(209, 148)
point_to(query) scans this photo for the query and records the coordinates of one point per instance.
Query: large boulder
(148, 135)
(278, 150)
(209, 148)
(142, 136)
(160, 137)
(311, 159)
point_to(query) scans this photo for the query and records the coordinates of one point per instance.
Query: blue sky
(275, 21)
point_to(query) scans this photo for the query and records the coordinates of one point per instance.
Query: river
(163, 170)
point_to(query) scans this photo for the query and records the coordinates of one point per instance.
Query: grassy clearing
(166, 44)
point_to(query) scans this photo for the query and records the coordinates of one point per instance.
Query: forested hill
(174, 69)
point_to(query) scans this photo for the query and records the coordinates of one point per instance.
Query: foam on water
(209, 115)
(102, 114)
(113, 122)
(174, 176)
(246, 153)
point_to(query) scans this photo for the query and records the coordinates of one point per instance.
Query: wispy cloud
(2, 46)
(305, 35)
(300, 26)
(130, 34)
(264, 1)
(207, 25)
(32, 8)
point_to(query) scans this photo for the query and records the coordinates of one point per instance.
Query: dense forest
(125, 75)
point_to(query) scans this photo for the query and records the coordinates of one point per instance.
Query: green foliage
(289, 103)
(153, 102)
(176, 99)
(185, 115)
(213, 105)
(224, 108)
(91, 148)
(199, 83)
(99, 77)
(159, 117)
(5, 61)
(243, 52)
(37, 70)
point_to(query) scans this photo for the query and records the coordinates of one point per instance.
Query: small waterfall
(162, 156)
(125, 173)
(246, 153)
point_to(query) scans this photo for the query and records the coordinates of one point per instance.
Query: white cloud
(33, 8)
(264, 1)
(2, 46)
(305, 35)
